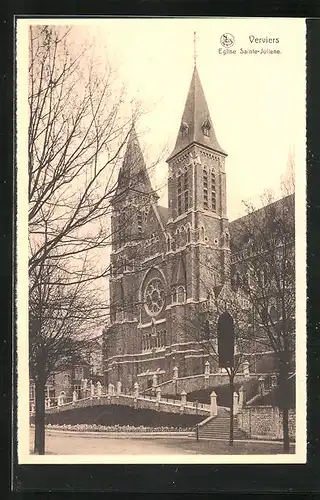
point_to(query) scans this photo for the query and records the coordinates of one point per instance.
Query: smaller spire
(133, 174)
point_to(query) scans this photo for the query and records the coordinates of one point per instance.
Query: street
(59, 444)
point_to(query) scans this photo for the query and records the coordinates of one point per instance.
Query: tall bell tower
(197, 196)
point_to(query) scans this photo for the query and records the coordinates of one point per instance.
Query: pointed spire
(196, 124)
(133, 173)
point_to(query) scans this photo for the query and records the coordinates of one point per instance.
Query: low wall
(140, 402)
(265, 422)
(198, 382)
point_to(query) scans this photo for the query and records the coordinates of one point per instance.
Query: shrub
(116, 428)
(117, 415)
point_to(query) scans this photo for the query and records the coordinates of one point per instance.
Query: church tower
(166, 261)
(131, 204)
(198, 229)
(133, 195)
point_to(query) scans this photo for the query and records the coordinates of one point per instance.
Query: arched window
(202, 233)
(206, 126)
(161, 338)
(188, 234)
(205, 189)
(246, 279)
(186, 191)
(181, 294)
(184, 127)
(237, 279)
(119, 264)
(179, 192)
(122, 236)
(174, 295)
(273, 313)
(139, 221)
(213, 192)
(168, 243)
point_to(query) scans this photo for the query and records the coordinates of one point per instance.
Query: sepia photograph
(161, 240)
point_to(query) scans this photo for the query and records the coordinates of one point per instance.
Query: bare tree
(77, 133)
(201, 326)
(62, 315)
(263, 268)
(78, 130)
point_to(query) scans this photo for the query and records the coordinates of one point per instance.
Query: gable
(154, 230)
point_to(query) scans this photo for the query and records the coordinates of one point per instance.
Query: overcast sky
(257, 102)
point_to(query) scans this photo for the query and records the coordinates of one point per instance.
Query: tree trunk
(284, 374)
(231, 411)
(39, 419)
(285, 427)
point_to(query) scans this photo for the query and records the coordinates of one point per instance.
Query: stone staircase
(218, 427)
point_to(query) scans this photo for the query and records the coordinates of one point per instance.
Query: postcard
(161, 236)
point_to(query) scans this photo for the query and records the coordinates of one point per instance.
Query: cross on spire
(195, 48)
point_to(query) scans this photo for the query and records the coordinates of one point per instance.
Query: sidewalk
(150, 435)
(119, 435)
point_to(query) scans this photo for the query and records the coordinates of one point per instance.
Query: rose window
(154, 297)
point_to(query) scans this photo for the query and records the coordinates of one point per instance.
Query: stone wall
(197, 382)
(140, 402)
(265, 422)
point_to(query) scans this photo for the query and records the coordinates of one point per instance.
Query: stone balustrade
(197, 382)
(255, 421)
(137, 400)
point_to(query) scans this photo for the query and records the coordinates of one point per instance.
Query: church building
(161, 256)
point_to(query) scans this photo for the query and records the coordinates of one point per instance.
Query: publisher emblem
(227, 40)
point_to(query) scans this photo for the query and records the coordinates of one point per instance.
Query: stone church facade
(161, 256)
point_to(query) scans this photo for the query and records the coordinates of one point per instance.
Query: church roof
(196, 124)
(133, 173)
(164, 213)
(239, 228)
(179, 274)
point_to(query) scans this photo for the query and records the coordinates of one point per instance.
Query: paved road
(78, 445)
